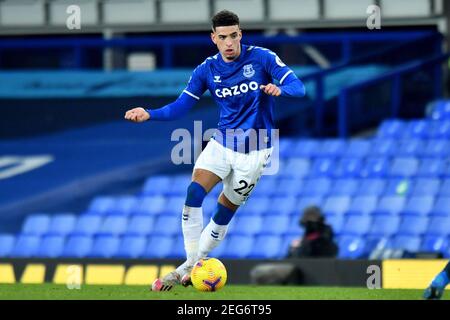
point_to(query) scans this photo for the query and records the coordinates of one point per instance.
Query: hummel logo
(217, 79)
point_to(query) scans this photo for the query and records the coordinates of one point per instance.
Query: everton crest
(248, 71)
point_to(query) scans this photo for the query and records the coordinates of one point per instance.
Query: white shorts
(239, 171)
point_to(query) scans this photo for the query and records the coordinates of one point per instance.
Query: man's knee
(195, 195)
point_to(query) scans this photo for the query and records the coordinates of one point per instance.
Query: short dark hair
(224, 18)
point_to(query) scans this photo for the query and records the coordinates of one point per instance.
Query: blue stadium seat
(322, 167)
(151, 205)
(62, 224)
(335, 221)
(356, 225)
(157, 185)
(210, 204)
(426, 187)
(7, 242)
(392, 129)
(363, 204)
(159, 247)
(125, 205)
(436, 149)
(398, 186)
(179, 185)
(404, 242)
(384, 225)
(331, 148)
(77, 246)
(351, 247)
(371, 187)
(409, 148)
(167, 225)
(419, 205)
(296, 168)
(441, 206)
(275, 224)
(247, 225)
(412, 225)
(140, 225)
(238, 247)
(431, 168)
(285, 187)
(444, 191)
(418, 129)
(440, 109)
(51, 246)
(348, 168)
(439, 226)
(305, 148)
(375, 168)
(36, 224)
(383, 147)
(104, 246)
(102, 205)
(391, 204)
(113, 225)
(178, 251)
(374, 243)
(308, 201)
(344, 187)
(87, 225)
(403, 167)
(336, 205)
(267, 187)
(434, 244)
(282, 206)
(439, 130)
(131, 247)
(286, 147)
(175, 205)
(317, 187)
(358, 148)
(294, 227)
(26, 246)
(266, 247)
(255, 206)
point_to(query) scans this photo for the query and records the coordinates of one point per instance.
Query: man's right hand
(137, 115)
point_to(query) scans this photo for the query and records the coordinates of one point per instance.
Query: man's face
(228, 41)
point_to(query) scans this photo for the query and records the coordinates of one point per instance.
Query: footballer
(240, 79)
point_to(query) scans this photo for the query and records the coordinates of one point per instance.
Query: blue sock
(222, 216)
(441, 280)
(195, 195)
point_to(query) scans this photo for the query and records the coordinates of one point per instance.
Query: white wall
(280, 10)
(404, 8)
(22, 12)
(180, 11)
(129, 11)
(247, 10)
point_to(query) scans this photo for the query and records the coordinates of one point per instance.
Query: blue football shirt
(246, 112)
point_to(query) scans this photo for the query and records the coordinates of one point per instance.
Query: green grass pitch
(229, 292)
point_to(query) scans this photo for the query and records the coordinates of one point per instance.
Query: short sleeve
(197, 82)
(275, 67)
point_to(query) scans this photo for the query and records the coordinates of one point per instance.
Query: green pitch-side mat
(229, 292)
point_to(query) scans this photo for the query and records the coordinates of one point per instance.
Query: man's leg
(437, 286)
(217, 227)
(192, 220)
(192, 224)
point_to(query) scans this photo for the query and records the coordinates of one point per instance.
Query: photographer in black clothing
(317, 240)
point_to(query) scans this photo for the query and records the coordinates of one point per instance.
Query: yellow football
(209, 274)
